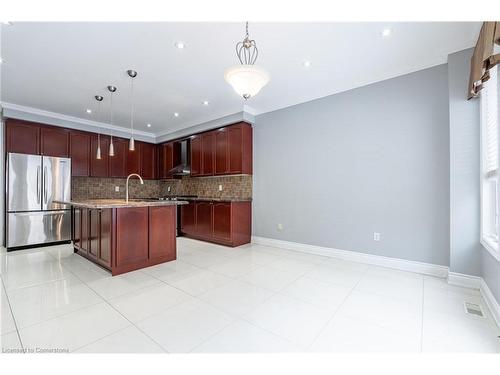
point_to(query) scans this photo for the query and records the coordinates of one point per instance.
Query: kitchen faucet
(126, 186)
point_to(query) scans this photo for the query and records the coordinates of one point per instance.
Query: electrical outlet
(376, 236)
(168, 189)
(117, 188)
(220, 187)
(280, 226)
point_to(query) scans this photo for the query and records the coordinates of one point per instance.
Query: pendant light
(247, 79)
(111, 90)
(132, 74)
(99, 99)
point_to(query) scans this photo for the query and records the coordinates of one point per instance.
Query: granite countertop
(120, 203)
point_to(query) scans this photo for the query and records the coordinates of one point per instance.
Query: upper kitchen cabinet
(99, 167)
(118, 162)
(134, 159)
(196, 155)
(233, 151)
(207, 153)
(22, 137)
(148, 161)
(165, 159)
(54, 141)
(79, 152)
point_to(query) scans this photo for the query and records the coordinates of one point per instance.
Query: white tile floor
(218, 299)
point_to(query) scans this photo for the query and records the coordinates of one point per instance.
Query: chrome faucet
(126, 186)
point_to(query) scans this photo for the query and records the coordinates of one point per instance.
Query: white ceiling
(59, 67)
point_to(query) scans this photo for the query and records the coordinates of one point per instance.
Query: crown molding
(11, 110)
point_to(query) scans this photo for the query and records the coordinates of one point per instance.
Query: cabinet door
(221, 152)
(84, 242)
(148, 161)
(94, 233)
(79, 152)
(195, 155)
(204, 216)
(131, 236)
(166, 160)
(208, 153)
(188, 218)
(235, 149)
(77, 227)
(54, 141)
(22, 137)
(117, 163)
(134, 159)
(222, 221)
(104, 255)
(162, 239)
(99, 167)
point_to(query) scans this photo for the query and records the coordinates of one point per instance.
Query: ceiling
(59, 67)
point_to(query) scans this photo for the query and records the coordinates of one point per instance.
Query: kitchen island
(124, 236)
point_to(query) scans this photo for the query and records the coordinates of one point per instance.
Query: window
(489, 164)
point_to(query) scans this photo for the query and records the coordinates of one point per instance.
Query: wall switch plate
(376, 236)
(220, 187)
(280, 226)
(117, 188)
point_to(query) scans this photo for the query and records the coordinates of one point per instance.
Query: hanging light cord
(132, 106)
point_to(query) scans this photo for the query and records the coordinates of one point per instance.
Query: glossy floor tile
(216, 299)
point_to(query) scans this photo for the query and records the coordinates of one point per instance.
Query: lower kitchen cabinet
(125, 239)
(92, 234)
(225, 223)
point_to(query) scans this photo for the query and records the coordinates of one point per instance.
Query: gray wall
(465, 249)
(373, 159)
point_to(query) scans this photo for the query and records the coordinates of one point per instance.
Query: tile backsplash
(96, 187)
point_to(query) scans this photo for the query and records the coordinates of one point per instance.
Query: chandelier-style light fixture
(111, 89)
(247, 79)
(99, 99)
(132, 74)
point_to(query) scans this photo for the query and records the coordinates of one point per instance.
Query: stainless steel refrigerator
(33, 183)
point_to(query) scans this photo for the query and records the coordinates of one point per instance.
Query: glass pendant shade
(111, 148)
(98, 153)
(131, 144)
(246, 80)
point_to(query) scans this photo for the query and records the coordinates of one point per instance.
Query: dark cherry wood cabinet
(22, 137)
(131, 236)
(118, 162)
(92, 234)
(148, 161)
(208, 153)
(233, 150)
(221, 229)
(188, 218)
(54, 141)
(221, 152)
(79, 152)
(196, 156)
(134, 159)
(225, 223)
(166, 160)
(99, 167)
(162, 238)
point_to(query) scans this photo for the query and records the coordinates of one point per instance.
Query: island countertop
(120, 203)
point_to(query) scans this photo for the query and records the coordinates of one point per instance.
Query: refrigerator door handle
(38, 191)
(45, 184)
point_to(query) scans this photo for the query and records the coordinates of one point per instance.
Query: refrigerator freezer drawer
(33, 228)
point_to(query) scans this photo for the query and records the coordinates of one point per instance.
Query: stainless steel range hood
(183, 168)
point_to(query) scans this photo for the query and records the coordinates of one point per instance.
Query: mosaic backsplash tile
(95, 187)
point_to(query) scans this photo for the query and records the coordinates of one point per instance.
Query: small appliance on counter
(33, 183)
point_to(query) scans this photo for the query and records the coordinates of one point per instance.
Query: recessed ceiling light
(306, 64)
(206, 102)
(180, 44)
(386, 32)
(1, 60)
(176, 114)
(148, 125)
(89, 111)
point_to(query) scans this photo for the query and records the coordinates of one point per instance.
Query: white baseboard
(463, 280)
(395, 263)
(490, 300)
